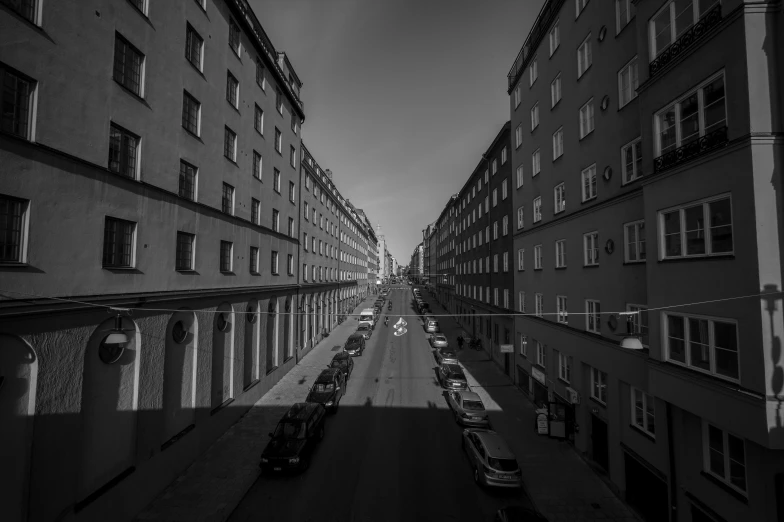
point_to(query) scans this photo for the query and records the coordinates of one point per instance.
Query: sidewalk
(562, 486)
(212, 486)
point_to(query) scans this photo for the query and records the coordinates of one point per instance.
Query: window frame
(565, 367)
(232, 90)
(654, 52)
(536, 162)
(584, 56)
(634, 81)
(593, 316)
(619, 23)
(534, 116)
(561, 308)
(591, 170)
(636, 171)
(187, 116)
(521, 260)
(533, 71)
(190, 31)
(191, 253)
(519, 172)
(587, 237)
(23, 232)
(123, 81)
(626, 243)
(726, 464)
(537, 208)
(232, 193)
(274, 262)
(599, 380)
(229, 144)
(587, 118)
(25, 117)
(124, 158)
(645, 400)
(235, 37)
(560, 253)
(539, 304)
(554, 36)
(558, 143)
(555, 88)
(681, 209)
(190, 196)
(538, 257)
(711, 344)
(559, 198)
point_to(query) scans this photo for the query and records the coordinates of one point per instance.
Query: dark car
(328, 389)
(518, 514)
(355, 344)
(452, 377)
(294, 438)
(365, 330)
(343, 362)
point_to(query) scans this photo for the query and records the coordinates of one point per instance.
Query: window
(232, 89)
(701, 229)
(623, 14)
(517, 96)
(13, 229)
(631, 160)
(696, 114)
(503, 155)
(254, 260)
(123, 151)
(520, 259)
(564, 367)
(255, 205)
(634, 241)
(520, 175)
(278, 142)
(257, 165)
(261, 79)
(306, 210)
(275, 220)
(276, 180)
(589, 183)
(292, 191)
(533, 72)
(506, 304)
(535, 163)
(560, 253)
(724, 456)
(563, 316)
(593, 321)
(234, 37)
(495, 166)
(495, 197)
(539, 304)
(230, 144)
(541, 354)
(495, 303)
(187, 181)
(25, 8)
(505, 226)
(538, 257)
(559, 197)
(642, 414)
(537, 209)
(119, 243)
(495, 230)
(227, 199)
(555, 91)
(520, 217)
(586, 119)
(290, 264)
(599, 385)
(673, 20)
(504, 192)
(274, 262)
(292, 156)
(534, 116)
(258, 120)
(639, 321)
(487, 176)
(16, 102)
(128, 65)
(591, 248)
(184, 257)
(703, 344)
(627, 83)
(278, 100)
(294, 123)
(191, 113)
(579, 6)
(521, 304)
(584, 58)
(558, 144)
(194, 46)
(555, 37)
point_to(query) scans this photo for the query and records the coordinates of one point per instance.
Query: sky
(401, 96)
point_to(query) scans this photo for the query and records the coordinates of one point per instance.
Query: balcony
(694, 34)
(703, 145)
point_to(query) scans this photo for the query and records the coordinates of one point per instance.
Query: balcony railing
(710, 20)
(713, 140)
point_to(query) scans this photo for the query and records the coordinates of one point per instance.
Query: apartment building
(483, 273)
(659, 120)
(354, 255)
(445, 254)
(415, 265)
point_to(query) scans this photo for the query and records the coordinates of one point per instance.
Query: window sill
(698, 258)
(130, 92)
(235, 107)
(584, 72)
(227, 272)
(726, 487)
(558, 157)
(564, 381)
(122, 269)
(627, 24)
(641, 262)
(255, 273)
(287, 359)
(552, 107)
(196, 68)
(185, 270)
(14, 264)
(177, 437)
(642, 432)
(233, 162)
(597, 401)
(587, 135)
(236, 53)
(560, 268)
(251, 385)
(274, 273)
(193, 135)
(589, 200)
(622, 107)
(103, 489)
(221, 407)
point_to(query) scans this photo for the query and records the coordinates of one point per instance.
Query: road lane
(392, 452)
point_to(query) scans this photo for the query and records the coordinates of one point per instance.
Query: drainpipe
(671, 454)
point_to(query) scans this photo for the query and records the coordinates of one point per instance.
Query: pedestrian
(459, 342)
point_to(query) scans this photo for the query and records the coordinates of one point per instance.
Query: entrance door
(645, 492)
(506, 364)
(599, 442)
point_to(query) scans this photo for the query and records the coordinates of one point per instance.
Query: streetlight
(631, 341)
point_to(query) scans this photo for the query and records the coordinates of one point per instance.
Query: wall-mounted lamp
(631, 341)
(117, 335)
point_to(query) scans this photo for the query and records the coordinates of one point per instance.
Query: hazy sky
(401, 96)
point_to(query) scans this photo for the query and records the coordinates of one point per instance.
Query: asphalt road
(393, 450)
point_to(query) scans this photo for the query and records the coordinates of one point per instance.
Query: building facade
(445, 255)
(669, 168)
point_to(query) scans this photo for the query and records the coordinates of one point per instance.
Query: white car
(493, 462)
(468, 408)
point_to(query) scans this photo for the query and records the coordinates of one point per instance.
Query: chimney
(328, 173)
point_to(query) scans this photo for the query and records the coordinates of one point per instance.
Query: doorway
(645, 492)
(600, 451)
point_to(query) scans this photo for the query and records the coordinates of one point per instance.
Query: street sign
(542, 424)
(507, 348)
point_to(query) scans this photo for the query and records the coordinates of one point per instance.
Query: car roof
(327, 375)
(300, 411)
(440, 336)
(354, 337)
(494, 444)
(453, 368)
(363, 326)
(341, 356)
(469, 396)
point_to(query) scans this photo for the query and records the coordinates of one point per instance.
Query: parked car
(446, 356)
(328, 389)
(431, 325)
(438, 341)
(365, 330)
(493, 462)
(294, 438)
(355, 344)
(518, 514)
(452, 377)
(343, 362)
(468, 408)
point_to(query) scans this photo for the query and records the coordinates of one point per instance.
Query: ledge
(704, 507)
(727, 489)
(177, 437)
(103, 489)
(251, 385)
(221, 407)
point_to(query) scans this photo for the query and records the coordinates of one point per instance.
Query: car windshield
(502, 464)
(447, 353)
(363, 327)
(473, 405)
(440, 338)
(321, 387)
(352, 342)
(290, 430)
(457, 375)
